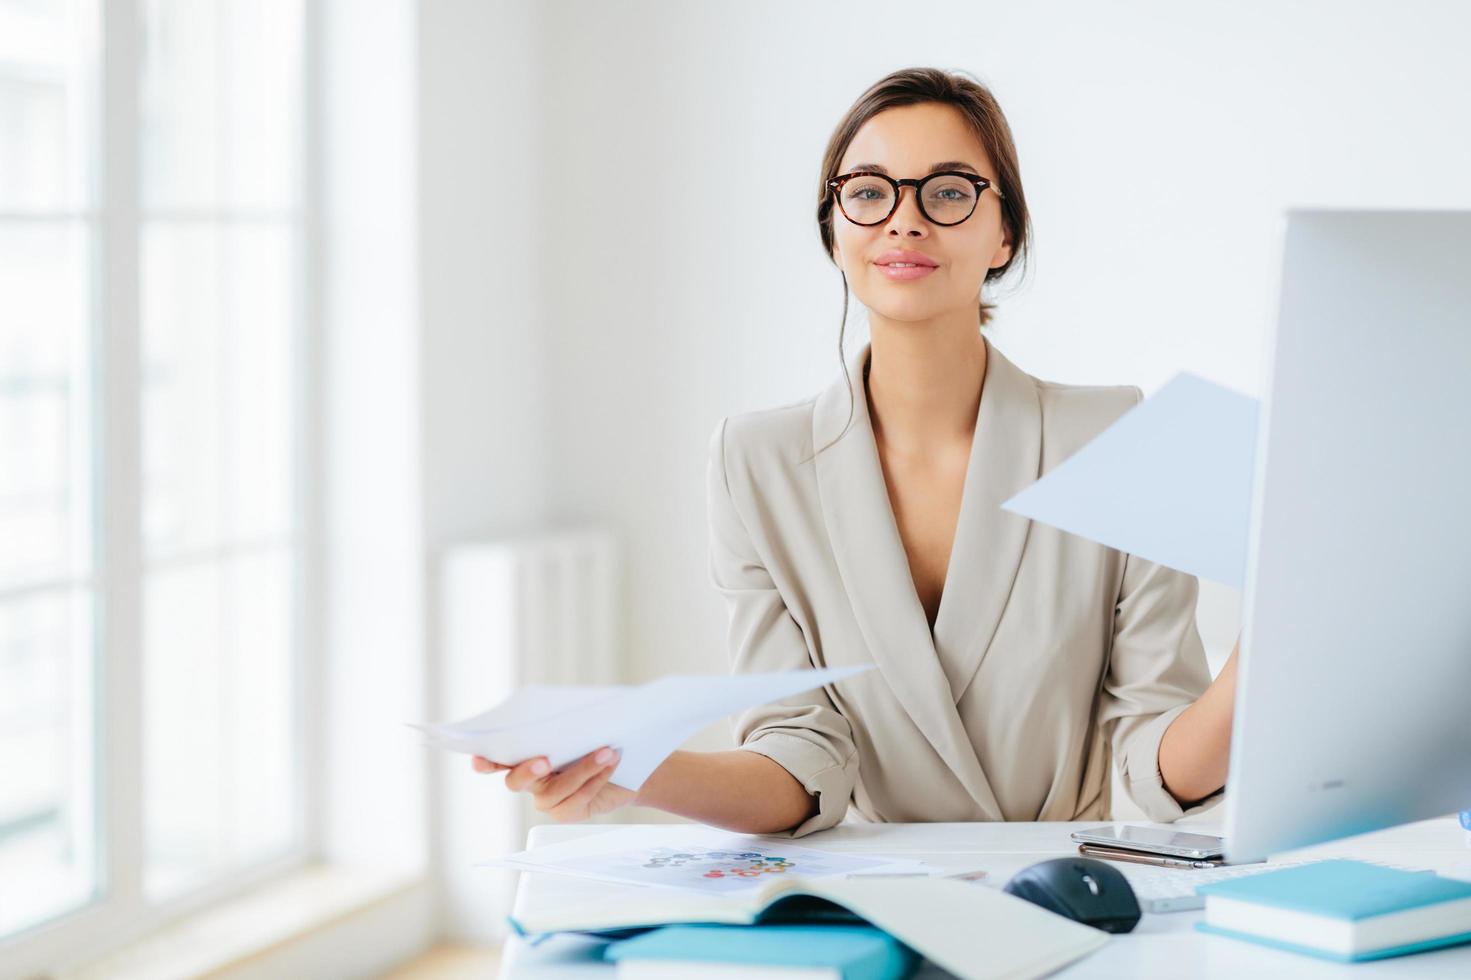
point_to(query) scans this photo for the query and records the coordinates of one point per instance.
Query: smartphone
(1140, 857)
(1146, 840)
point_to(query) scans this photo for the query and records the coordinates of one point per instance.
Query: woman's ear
(1002, 255)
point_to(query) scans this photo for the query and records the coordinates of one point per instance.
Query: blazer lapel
(875, 573)
(1005, 457)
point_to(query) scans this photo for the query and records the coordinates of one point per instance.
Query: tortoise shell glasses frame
(981, 183)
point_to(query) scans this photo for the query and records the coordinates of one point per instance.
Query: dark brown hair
(909, 86)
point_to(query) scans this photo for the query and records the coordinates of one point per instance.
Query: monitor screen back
(1353, 707)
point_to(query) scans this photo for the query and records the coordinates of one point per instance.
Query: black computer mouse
(1086, 890)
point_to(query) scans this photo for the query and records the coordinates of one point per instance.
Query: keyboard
(1173, 889)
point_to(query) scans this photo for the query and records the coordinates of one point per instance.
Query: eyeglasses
(946, 197)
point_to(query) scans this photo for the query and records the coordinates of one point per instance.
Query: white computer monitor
(1353, 706)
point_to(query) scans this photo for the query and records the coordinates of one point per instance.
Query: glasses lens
(867, 199)
(949, 199)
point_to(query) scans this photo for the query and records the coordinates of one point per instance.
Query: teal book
(839, 952)
(1341, 910)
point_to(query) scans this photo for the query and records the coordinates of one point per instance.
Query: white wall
(482, 247)
(1158, 141)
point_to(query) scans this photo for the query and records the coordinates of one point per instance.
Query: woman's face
(910, 141)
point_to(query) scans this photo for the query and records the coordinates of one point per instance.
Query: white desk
(1160, 946)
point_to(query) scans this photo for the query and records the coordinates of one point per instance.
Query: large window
(48, 581)
(150, 257)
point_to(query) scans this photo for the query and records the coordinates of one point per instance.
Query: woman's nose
(907, 218)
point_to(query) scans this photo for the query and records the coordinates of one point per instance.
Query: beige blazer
(1050, 654)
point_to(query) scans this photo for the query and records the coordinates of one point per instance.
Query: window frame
(119, 911)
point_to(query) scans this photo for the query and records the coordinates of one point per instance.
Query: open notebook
(971, 930)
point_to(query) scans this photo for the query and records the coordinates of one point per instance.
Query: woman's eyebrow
(942, 165)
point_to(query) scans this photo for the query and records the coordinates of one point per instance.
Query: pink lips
(902, 265)
(904, 273)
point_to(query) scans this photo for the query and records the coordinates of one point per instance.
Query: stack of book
(1341, 910)
(776, 952)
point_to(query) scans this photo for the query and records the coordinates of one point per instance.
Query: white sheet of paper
(644, 722)
(1169, 481)
(697, 858)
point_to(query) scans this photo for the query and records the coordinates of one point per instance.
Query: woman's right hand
(577, 791)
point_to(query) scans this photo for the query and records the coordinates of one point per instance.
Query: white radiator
(540, 609)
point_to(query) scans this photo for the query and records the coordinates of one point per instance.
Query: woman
(864, 526)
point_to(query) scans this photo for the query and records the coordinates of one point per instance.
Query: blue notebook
(851, 952)
(1341, 910)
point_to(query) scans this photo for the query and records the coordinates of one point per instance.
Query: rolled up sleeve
(1156, 670)
(804, 734)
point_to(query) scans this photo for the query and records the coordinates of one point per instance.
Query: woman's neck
(924, 382)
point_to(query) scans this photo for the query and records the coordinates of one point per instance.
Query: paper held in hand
(1169, 481)
(644, 722)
